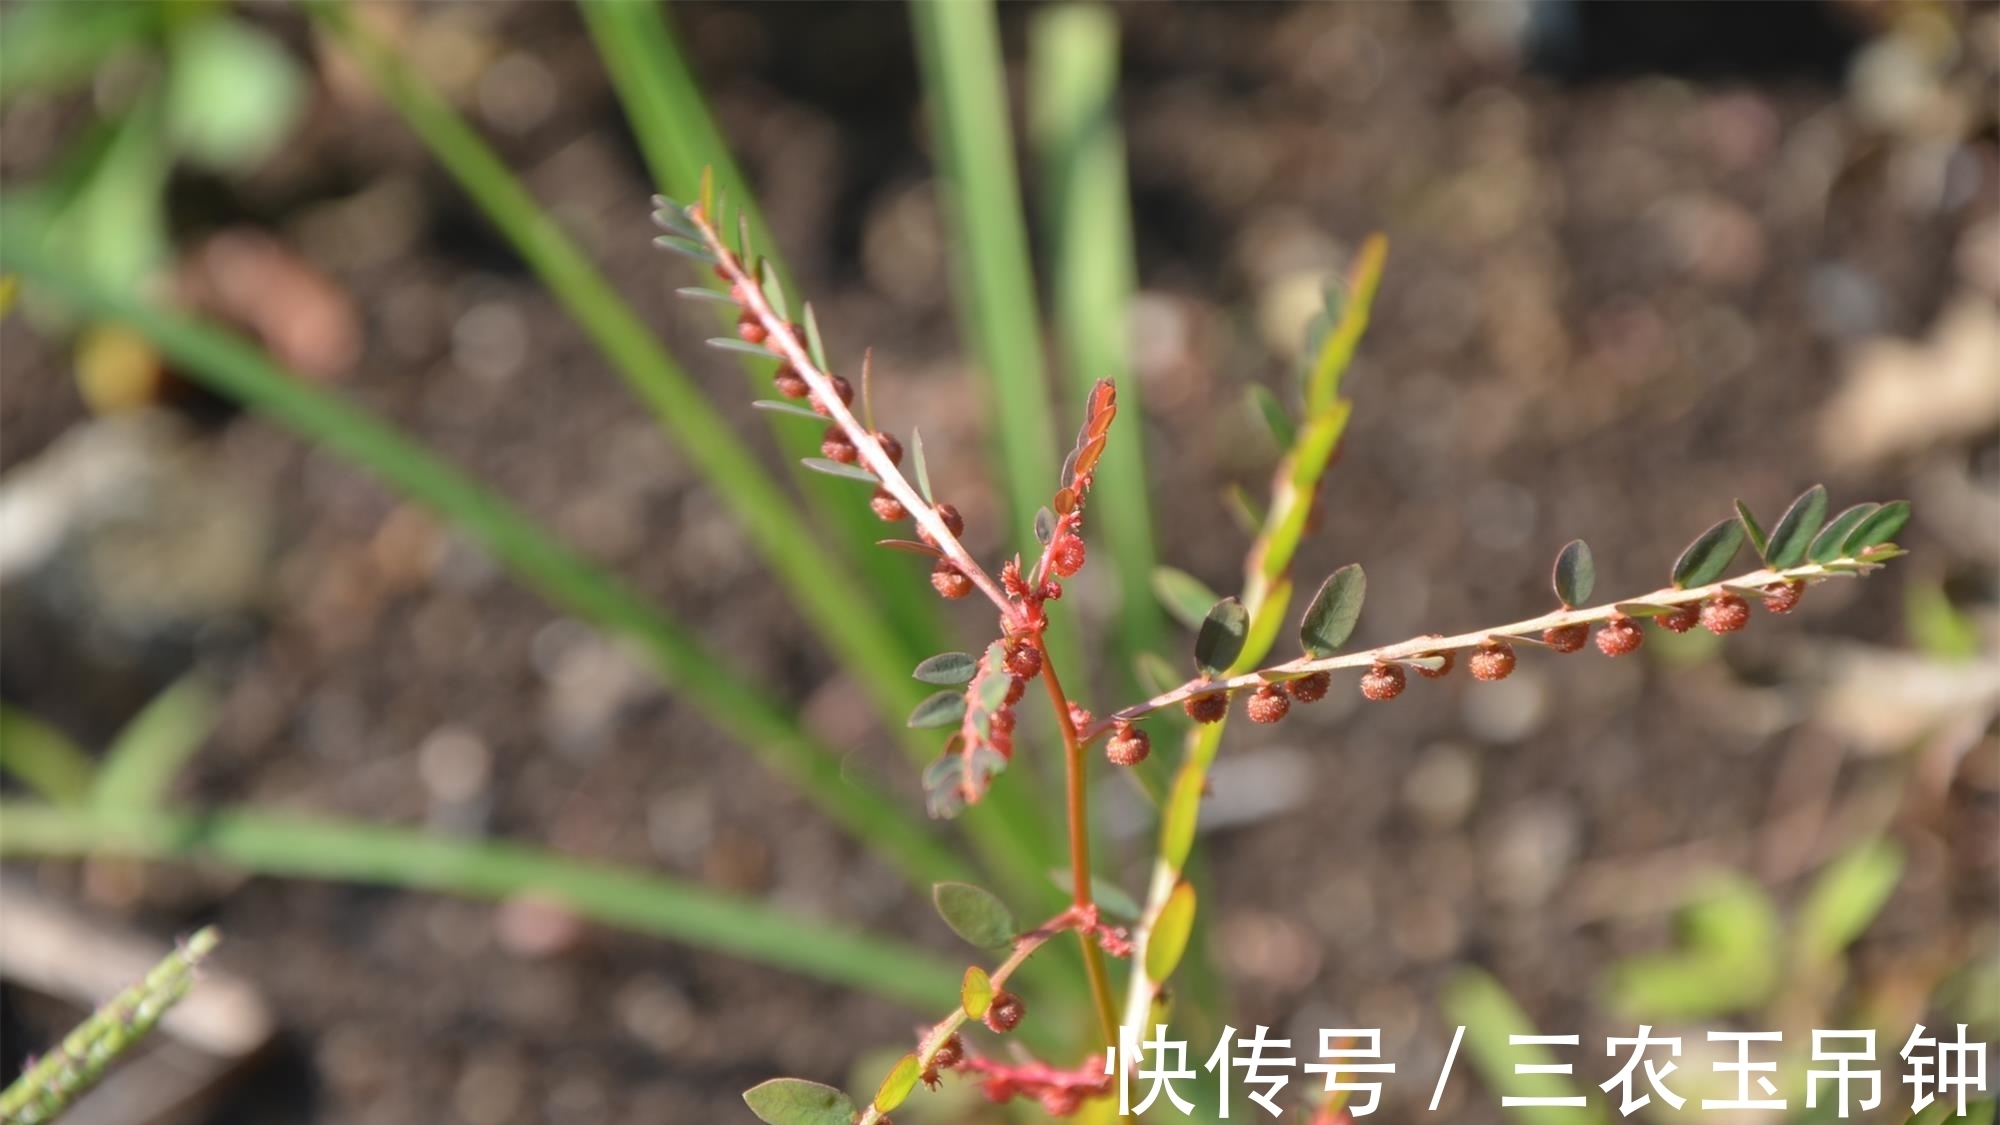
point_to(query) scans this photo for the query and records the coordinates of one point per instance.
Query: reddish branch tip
(1450, 659)
(887, 506)
(1312, 688)
(1566, 638)
(1066, 557)
(790, 383)
(891, 448)
(1004, 1011)
(1619, 636)
(1493, 660)
(1724, 613)
(1783, 597)
(949, 580)
(1268, 704)
(1383, 682)
(1679, 621)
(841, 387)
(1128, 746)
(1207, 708)
(1024, 660)
(834, 446)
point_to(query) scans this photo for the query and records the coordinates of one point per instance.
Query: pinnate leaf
(946, 708)
(795, 1101)
(1335, 608)
(1575, 574)
(1751, 528)
(1794, 531)
(1831, 542)
(1879, 528)
(1220, 640)
(975, 914)
(947, 668)
(1709, 555)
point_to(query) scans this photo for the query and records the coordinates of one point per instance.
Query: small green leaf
(704, 293)
(1428, 663)
(1109, 896)
(896, 1086)
(1709, 555)
(1185, 597)
(817, 350)
(1265, 405)
(1493, 1020)
(1641, 609)
(774, 293)
(836, 469)
(1182, 815)
(781, 406)
(1575, 574)
(1169, 937)
(974, 914)
(1751, 528)
(916, 458)
(1220, 640)
(686, 247)
(795, 1101)
(1045, 526)
(1795, 529)
(976, 992)
(1831, 543)
(732, 344)
(947, 668)
(1879, 528)
(946, 708)
(1335, 608)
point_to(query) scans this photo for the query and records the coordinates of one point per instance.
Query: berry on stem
(1268, 704)
(836, 447)
(1128, 745)
(790, 383)
(1724, 613)
(1679, 621)
(1566, 638)
(949, 1054)
(1016, 688)
(887, 506)
(1024, 660)
(749, 329)
(1619, 636)
(1441, 671)
(842, 388)
(1783, 597)
(949, 580)
(1066, 557)
(1209, 707)
(1004, 1011)
(891, 448)
(1383, 682)
(1491, 661)
(1312, 688)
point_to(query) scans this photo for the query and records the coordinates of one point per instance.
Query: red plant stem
(1747, 585)
(779, 337)
(1076, 780)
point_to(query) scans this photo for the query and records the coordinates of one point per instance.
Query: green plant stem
(308, 847)
(1076, 780)
(816, 583)
(238, 370)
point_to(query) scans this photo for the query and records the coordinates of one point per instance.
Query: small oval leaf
(1879, 528)
(795, 1101)
(1335, 608)
(1709, 555)
(1045, 526)
(1169, 937)
(1831, 543)
(896, 1086)
(1575, 574)
(1185, 597)
(947, 668)
(1794, 531)
(976, 992)
(946, 708)
(1751, 528)
(974, 914)
(1220, 640)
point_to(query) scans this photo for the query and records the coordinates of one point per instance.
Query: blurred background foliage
(1646, 258)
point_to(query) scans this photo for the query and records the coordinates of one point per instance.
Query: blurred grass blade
(237, 370)
(958, 45)
(149, 753)
(47, 1088)
(53, 46)
(814, 581)
(1491, 1018)
(43, 758)
(1073, 81)
(679, 139)
(306, 847)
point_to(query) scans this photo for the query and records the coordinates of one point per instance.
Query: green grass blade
(149, 753)
(236, 369)
(816, 583)
(958, 45)
(304, 847)
(1073, 68)
(43, 758)
(47, 1088)
(679, 139)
